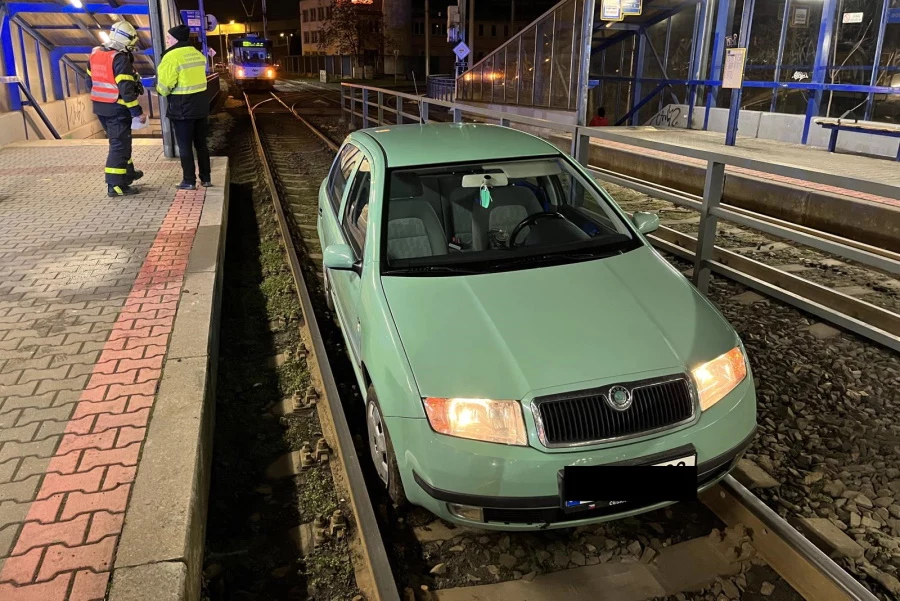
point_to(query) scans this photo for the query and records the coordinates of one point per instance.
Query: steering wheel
(529, 221)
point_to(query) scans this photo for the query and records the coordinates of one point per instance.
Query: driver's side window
(356, 213)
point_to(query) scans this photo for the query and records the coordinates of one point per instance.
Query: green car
(507, 320)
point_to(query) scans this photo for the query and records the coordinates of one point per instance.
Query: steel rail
(374, 551)
(804, 566)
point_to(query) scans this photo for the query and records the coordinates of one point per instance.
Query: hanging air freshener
(485, 196)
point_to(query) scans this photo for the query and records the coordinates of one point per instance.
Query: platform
(108, 320)
(863, 215)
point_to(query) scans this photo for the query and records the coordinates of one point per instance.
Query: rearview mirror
(645, 222)
(339, 257)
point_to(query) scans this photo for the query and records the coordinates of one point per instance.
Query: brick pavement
(89, 286)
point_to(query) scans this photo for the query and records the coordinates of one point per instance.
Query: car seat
(508, 207)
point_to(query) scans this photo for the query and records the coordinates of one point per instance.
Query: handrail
(710, 208)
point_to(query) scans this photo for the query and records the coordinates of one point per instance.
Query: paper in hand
(136, 123)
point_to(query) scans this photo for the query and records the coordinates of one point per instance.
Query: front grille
(587, 417)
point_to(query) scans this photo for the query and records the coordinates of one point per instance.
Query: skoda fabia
(507, 321)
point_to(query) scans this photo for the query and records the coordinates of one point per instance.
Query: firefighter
(115, 89)
(181, 77)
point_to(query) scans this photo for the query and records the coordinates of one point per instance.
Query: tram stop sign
(461, 51)
(191, 18)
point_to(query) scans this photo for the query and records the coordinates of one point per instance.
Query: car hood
(505, 335)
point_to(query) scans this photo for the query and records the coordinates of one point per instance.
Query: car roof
(442, 143)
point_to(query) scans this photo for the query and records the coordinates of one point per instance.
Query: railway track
(294, 157)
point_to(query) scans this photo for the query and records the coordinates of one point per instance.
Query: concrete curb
(160, 553)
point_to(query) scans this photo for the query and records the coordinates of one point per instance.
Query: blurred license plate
(686, 461)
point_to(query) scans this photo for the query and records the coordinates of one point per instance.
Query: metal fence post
(706, 237)
(365, 107)
(399, 110)
(581, 147)
(380, 107)
(423, 111)
(343, 105)
(504, 122)
(352, 107)
(457, 114)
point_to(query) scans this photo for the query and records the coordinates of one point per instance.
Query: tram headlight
(240, 72)
(270, 72)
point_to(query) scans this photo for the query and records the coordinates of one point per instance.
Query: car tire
(381, 450)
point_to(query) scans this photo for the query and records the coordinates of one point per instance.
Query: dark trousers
(191, 134)
(119, 166)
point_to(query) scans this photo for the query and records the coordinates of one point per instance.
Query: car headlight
(718, 377)
(478, 419)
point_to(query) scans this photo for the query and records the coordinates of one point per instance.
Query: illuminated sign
(253, 44)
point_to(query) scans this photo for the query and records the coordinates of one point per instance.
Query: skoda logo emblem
(619, 398)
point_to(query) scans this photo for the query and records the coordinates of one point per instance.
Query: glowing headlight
(718, 377)
(240, 72)
(270, 73)
(478, 419)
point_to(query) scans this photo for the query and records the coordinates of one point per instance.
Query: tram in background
(252, 64)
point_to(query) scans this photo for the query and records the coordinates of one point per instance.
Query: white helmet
(122, 36)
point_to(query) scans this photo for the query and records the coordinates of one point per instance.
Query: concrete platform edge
(160, 553)
(855, 218)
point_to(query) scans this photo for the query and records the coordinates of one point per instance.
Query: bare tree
(351, 29)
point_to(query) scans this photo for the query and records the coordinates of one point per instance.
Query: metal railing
(536, 67)
(442, 87)
(370, 105)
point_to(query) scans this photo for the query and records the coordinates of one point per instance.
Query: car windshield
(496, 216)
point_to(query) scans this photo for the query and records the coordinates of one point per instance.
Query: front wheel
(382, 450)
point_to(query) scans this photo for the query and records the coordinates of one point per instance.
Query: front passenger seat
(414, 230)
(509, 206)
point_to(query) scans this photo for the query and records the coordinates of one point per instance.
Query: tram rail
(811, 573)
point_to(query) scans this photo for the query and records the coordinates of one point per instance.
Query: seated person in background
(599, 119)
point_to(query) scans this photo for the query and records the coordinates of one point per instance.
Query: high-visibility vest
(104, 87)
(181, 71)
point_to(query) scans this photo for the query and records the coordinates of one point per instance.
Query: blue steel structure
(23, 13)
(50, 26)
(713, 31)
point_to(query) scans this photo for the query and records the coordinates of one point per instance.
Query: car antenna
(419, 103)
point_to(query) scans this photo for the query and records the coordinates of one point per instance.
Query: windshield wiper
(550, 258)
(426, 269)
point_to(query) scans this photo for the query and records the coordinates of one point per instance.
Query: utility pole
(471, 33)
(265, 21)
(427, 40)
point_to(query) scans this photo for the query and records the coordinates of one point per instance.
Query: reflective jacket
(181, 76)
(113, 82)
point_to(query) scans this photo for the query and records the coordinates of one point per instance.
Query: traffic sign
(192, 19)
(211, 23)
(211, 52)
(461, 51)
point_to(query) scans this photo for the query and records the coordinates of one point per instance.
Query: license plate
(685, 461)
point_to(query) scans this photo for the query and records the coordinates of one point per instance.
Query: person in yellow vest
(181, 77)
(115, 88)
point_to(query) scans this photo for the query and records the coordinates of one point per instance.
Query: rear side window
(340, 172)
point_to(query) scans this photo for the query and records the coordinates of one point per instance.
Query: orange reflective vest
(104, 87)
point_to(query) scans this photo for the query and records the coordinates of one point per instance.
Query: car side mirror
(645, 222)
(339, 257)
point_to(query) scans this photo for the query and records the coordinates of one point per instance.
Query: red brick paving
(66, 546)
